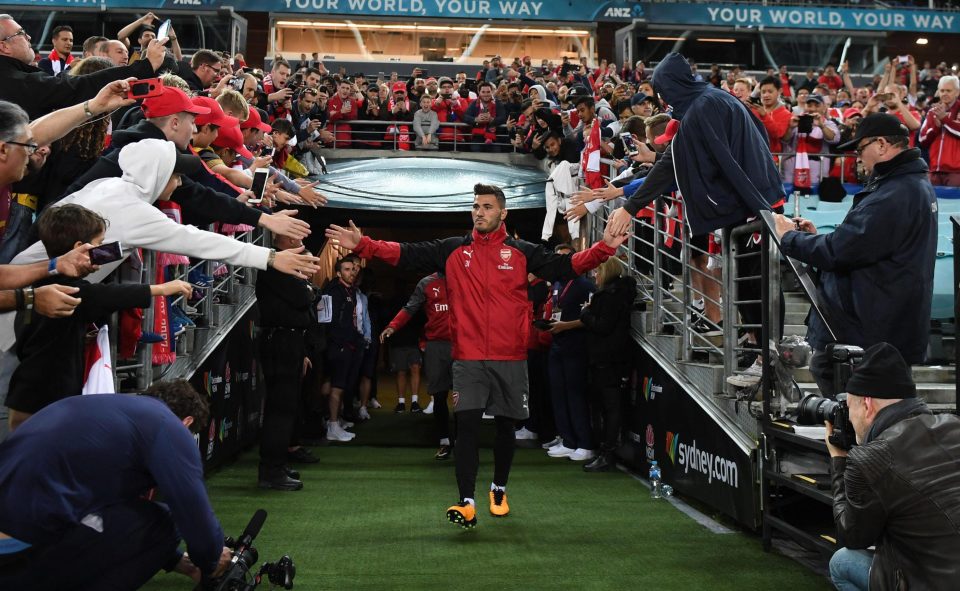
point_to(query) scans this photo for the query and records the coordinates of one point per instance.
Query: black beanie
(882, 373)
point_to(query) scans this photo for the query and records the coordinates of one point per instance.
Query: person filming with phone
(810, 133)
(899, 488)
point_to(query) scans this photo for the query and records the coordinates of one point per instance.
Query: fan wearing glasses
(205, 70)
(39, 93)
(876, 268)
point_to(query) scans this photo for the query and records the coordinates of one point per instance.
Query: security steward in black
(287, 318)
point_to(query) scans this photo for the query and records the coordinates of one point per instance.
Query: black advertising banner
(696, 456)
(229, 378)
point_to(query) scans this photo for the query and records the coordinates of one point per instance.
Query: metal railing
(672, 272)
(461, 136)
(213, 311)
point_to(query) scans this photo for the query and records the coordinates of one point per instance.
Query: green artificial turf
(374, 518)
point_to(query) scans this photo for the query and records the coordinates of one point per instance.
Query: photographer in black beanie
(899, 489)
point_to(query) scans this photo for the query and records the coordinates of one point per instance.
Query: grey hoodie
(127, 205)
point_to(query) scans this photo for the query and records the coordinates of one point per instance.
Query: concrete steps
(935, 383)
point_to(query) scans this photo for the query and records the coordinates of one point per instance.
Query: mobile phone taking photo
(146, 88)
(260, 177)
(629, 146)
(106, 253)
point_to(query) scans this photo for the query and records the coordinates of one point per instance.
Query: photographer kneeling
(899, 489)
(74, 486)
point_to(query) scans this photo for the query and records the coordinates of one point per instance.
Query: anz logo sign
(187, 2)
(623, 12)
(614, 12)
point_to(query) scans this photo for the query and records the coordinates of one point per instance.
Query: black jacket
(288, 319)
(342, 330)
(900, 491)
(201, 205)
(51, 350)
(876, 268)
(500, 116)
(190, 77)
(607, 321)
(39, 93)
(721, 155)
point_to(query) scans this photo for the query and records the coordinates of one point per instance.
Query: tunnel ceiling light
(666, 38)
(428, 28)
(715, 40)
(922, 41)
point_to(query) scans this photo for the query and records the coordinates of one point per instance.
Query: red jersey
(431, 295)
(943, 141)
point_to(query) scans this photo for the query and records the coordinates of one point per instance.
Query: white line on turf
(704, 520)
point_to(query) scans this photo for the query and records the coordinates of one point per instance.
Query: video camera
(814, 409)
(239, 575)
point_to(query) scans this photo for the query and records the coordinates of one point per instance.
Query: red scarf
(56, 57)
(163, 352)
(590, 158)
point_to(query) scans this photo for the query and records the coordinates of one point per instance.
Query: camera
(814, 409)
(240, 575)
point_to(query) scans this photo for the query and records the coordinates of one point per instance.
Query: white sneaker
(560, 452)
(363, 413)
(525, 433)
(344, 424)
(336, 433)
(748, 377)
(581, 455)
(552, 443)
(429, 409)
(374, 403)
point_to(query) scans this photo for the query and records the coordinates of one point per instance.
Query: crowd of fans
(587, 123)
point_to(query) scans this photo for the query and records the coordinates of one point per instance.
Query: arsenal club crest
(505, 254)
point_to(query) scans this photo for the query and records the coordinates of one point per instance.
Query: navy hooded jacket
(721, 156)
(876, 268)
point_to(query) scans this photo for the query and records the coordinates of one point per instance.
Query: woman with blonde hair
(607, 323)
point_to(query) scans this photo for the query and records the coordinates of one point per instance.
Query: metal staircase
(697, 367)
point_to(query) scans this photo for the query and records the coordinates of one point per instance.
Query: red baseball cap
(255, 121)
(171, 100)
(399, 87)
(215, 115)
(672, 128)
(230, 137)
(852, 112)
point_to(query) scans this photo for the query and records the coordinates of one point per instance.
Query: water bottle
(656, 486)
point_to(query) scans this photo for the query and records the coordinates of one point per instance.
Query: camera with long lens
(241, 574)
(815, 409)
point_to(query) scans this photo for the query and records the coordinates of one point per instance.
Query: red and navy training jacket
(431, 295)
(486, 284)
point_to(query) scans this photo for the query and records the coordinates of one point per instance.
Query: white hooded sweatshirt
(127, 205)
